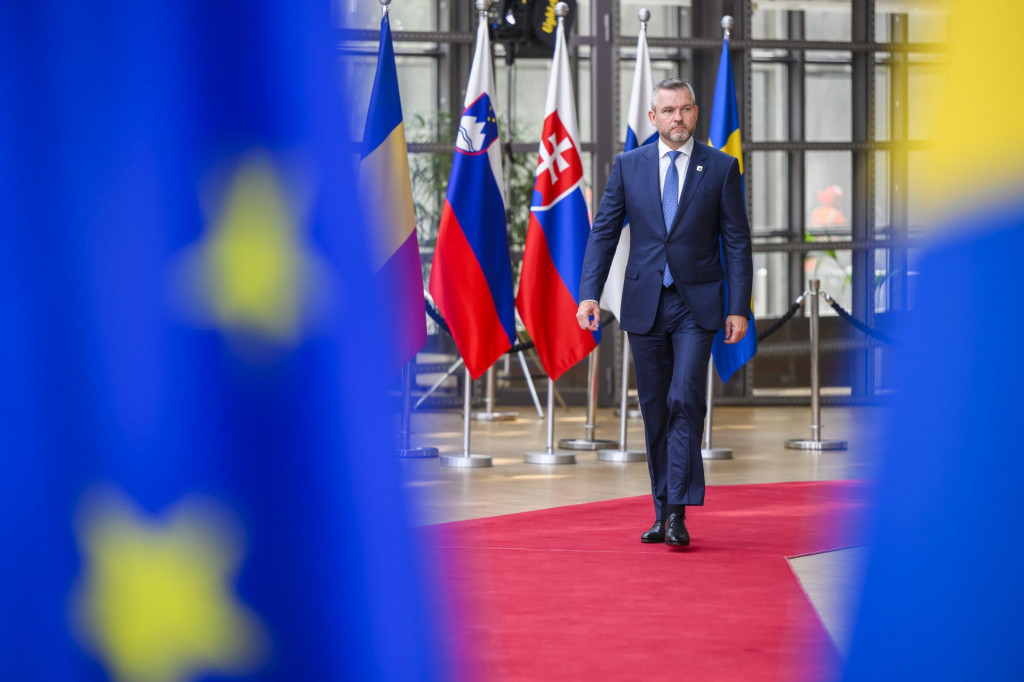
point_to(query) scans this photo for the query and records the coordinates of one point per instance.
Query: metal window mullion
(797, 182)
(604, 128)
(862, 223)
(899, 128)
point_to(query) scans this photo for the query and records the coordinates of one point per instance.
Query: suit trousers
(671, 363)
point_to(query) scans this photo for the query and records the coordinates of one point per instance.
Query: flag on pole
(725, 135)
(386, 190)
(471, 277)
(557, 235)
(639, 131)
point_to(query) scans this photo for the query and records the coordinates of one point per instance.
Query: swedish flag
(193, 415)
(725, 135)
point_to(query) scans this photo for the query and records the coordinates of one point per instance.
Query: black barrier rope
(435, 315)
(762, 335)
(857, 323)
(521, 346)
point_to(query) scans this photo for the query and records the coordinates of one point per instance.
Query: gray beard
(680, 137)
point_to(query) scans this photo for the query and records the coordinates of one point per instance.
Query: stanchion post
(815, 442)
(588, 442)
(406, 449)
(549, 456)
(623, 453)
(466, 460)
(708, 452)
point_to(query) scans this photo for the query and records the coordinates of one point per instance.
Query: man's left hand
(735, 328)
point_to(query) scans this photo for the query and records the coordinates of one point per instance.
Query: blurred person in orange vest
(827, 214)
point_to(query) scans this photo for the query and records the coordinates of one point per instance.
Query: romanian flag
(471, 277)
(386, 190)
(725, 135)
(557, 235)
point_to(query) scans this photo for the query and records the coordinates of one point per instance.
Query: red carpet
(571, 593)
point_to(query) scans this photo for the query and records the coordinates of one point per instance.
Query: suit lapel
(693, 178)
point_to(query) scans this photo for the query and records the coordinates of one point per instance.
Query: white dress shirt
(682, 163)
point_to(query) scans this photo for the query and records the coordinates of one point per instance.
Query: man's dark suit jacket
(711, 206)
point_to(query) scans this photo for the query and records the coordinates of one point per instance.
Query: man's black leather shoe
(676, 534)
(655, 534)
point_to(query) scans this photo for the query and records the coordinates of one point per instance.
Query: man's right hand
(588, 315)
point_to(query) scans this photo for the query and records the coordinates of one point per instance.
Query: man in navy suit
(687, 217)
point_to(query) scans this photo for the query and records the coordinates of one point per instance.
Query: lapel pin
(700, 168)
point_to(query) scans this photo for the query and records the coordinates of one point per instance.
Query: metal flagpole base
(584, 444)
(805, 444)
(716, 453)
(466, 461)
(495, 416)
(546, 457)
(417, 453)
(621, 456)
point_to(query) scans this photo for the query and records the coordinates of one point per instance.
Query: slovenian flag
(639, 131)
(557, 235)
(385, 185)
(471, 277)
(725, 135)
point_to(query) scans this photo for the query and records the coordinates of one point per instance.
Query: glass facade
(831, 96)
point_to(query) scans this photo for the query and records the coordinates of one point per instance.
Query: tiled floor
(756, 435)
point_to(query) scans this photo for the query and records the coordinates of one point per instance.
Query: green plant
(828, 253)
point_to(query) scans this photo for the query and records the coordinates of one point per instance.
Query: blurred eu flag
(193, 482)
(725, 135)
(941, 593)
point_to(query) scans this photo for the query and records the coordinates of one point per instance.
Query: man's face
(674, 115)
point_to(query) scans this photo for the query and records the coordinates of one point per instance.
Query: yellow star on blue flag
(155, 599)
(252, 273)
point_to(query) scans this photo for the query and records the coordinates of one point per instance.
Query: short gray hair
(672, 84)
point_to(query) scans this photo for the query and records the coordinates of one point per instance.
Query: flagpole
(466, 460)
(406, 449)
(588, 442)
(549, 456)
(489, 415)
(708, 452)
(623, 453)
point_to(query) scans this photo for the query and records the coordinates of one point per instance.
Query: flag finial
(561, 11)
(384, 6)
(727, 24)
(483, 5)
(644, 15)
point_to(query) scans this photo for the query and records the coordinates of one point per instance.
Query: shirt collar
(686, 149)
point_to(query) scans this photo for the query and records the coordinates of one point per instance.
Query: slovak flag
(639, 131)
(471, 278)
(557, 235)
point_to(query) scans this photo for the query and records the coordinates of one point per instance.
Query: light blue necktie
(669, 203)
